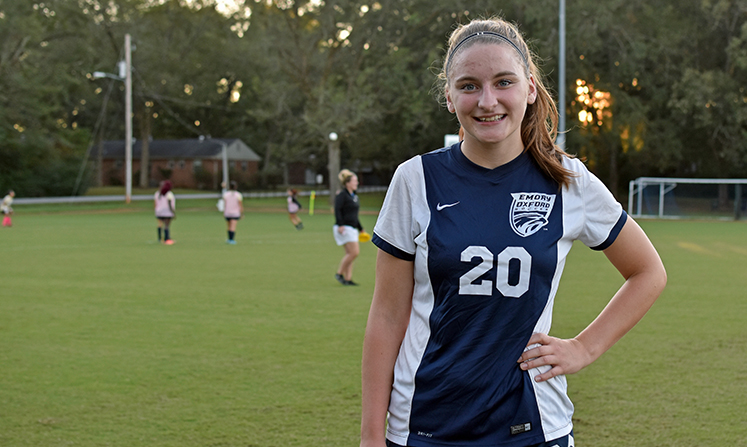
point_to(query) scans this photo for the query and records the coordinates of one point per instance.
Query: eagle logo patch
(530, 211)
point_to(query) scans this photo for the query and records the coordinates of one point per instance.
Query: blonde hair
(345, 175)
(539, 128)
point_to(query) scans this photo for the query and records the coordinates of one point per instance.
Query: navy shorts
(228, 219)
(565, 441)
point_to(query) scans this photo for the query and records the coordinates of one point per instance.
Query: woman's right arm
(387, 323)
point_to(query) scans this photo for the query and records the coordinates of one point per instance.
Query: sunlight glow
(595, 104)
(236, 92)
(222, 86)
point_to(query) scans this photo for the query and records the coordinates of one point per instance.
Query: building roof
(198, 148)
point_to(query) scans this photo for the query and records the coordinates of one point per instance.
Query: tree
(710, 97)
(41, 145)
(282, 74)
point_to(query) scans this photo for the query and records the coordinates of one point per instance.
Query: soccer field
(108, 338)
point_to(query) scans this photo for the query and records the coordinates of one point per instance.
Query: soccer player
(473, 239)
(164, 203)
(233, 210)
(7, 209)
(347, 226)
(294, 206)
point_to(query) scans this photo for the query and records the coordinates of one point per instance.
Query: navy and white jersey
(488, 247)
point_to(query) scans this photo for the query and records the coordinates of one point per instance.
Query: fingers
(534, 346)
(556, 371)
(548, 361)
(560, 356)
(541, 351)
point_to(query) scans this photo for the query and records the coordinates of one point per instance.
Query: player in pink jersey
(7, 208)
(165, 206)
(294, 206)
(233, 210)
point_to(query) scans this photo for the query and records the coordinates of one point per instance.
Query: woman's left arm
(645, 277)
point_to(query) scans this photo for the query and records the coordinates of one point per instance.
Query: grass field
(110, 339)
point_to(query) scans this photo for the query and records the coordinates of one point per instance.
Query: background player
(233, 210)
(164, 203)
(347, 225)
(7, 208)
(473, 239)
(294, 206)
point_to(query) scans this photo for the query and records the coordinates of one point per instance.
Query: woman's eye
(504, 83)
(469, 87)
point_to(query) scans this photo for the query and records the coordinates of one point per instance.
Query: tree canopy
(654, 88)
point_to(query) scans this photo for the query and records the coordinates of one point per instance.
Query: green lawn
(110, 339)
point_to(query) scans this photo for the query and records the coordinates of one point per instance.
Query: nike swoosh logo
(439, 207)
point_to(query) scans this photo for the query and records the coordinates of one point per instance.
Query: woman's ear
(532, 94)
(449, 104)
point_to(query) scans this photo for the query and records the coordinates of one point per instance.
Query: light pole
(125, 75)
(224, 154)
(333, 164)
(561, 76)
(128, 120)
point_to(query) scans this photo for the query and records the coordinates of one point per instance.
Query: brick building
(189, 163)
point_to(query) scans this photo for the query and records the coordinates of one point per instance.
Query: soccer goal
(678, 198)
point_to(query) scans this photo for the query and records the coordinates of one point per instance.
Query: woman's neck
(491, 156)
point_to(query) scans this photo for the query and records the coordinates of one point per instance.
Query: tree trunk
(333, 166)
(145, 147)
(614, 178)
(100, 153)
(100, 162)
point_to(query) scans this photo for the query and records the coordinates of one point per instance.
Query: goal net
(678, 198)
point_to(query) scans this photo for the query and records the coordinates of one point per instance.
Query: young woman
(164, 203)
(294, 206)
(7, 209)
(347, 226)
(233, 210)
(473, 239)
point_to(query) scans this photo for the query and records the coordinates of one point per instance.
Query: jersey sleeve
(603, 215)
(339, 202)
(396, 227)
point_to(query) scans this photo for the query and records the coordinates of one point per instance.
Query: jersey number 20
(467, 285)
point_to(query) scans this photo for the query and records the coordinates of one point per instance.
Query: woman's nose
(488, 99)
